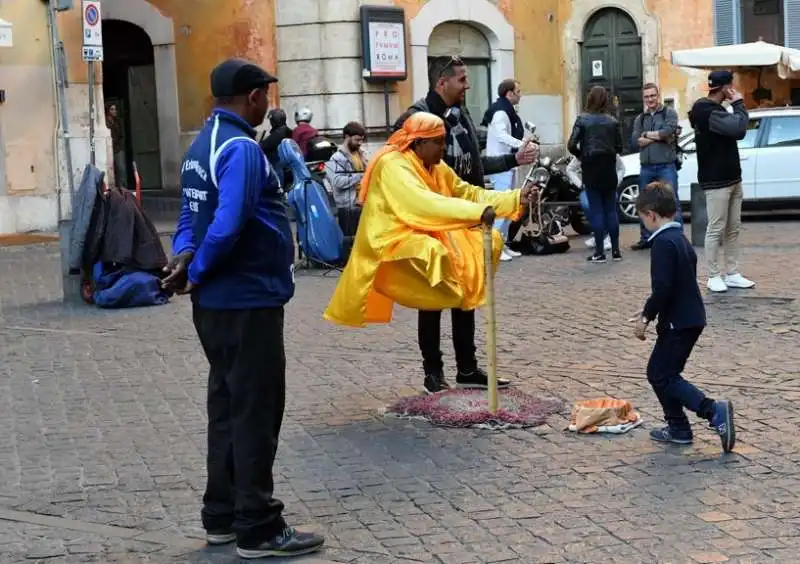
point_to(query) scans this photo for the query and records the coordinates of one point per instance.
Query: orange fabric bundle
(589, 416)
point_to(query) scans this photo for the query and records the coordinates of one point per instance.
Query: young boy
(677, 303)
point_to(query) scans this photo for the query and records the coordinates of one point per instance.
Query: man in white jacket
(505, 133)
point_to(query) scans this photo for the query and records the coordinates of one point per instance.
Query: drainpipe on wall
(59, 75)
(70, 284)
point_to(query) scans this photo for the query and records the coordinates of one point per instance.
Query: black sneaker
(722, 422)
(477, 379)
(598, 259)
(640, 246)
(435, 382)
(666, 435)
(616, 256)
(290, 542)
(215, 538)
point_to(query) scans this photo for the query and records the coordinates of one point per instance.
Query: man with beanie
(719, 173)
(234, 254)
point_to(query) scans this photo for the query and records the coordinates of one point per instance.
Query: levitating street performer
(419, 243)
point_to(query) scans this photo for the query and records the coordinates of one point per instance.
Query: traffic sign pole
(92, 53)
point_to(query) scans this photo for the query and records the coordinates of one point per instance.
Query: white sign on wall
(387, 49)
(6, 36)
(92, 24)
(597, 69)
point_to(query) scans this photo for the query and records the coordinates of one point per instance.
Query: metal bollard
(699, 216)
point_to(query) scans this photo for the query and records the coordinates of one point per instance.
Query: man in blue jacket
(234, 253)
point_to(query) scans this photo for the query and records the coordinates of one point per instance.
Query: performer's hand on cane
(488, 216)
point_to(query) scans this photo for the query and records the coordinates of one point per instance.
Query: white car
(769, 154)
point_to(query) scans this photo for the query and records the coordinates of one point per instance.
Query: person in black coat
(596, 141)
(269, 144)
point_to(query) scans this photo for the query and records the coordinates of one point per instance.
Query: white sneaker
(607, 243)
(505, 257)
(590, 242)
(738, 281)
(717, 284)
(512, 253)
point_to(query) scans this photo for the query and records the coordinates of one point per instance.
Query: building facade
(159, 53)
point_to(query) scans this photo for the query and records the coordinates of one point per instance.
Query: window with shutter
(791, 23)
(727, 22)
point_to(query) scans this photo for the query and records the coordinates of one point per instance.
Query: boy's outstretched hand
(640, 329)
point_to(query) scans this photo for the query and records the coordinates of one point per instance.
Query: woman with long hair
(597, 140)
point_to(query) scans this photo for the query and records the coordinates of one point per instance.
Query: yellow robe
(419, 243)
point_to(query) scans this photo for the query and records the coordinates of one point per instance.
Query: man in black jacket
(719, 173)
(448, 86)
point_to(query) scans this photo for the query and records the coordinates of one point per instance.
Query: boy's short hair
(657, 197)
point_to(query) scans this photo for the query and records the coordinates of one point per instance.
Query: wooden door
(144, 124)
(612, 57)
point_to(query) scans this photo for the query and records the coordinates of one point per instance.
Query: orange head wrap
(420, 125)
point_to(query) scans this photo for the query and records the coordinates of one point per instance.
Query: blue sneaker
(666, 435)
(722, 422)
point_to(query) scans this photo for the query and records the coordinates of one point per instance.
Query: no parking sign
(92, 24)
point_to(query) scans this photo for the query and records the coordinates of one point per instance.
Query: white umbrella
(758, 55)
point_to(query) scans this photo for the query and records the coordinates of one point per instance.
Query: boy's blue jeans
(667, 361)
(664, 173)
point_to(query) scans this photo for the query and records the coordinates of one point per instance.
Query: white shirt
(499, 140)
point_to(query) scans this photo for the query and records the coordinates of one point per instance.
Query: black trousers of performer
(429, 327)
(246, 397)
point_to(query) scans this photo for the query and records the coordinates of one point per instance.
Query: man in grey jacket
(344, 170)
(448, 87)
(654, 132)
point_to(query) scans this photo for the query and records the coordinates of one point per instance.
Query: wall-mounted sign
(6, 37)
(597, 69)
(383, 40)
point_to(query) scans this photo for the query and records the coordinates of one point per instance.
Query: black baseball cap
(236, 77)
(719, 78)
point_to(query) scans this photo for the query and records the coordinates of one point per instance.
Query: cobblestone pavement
(102, 427)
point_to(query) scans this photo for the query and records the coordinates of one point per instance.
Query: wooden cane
(491, 328)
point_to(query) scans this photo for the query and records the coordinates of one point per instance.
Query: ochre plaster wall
(206, 32)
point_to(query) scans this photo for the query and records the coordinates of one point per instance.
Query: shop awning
(756, 55)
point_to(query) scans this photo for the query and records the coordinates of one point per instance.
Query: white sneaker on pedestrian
(717, 284)
(738, 281)
(590, 242)
(512, 253)
(607, 243)
(505, 257)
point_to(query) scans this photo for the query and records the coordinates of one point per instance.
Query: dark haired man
(345, 169)
(505, 133)
(234, 253)
(448, 85)
(654, 132)
(719, 173)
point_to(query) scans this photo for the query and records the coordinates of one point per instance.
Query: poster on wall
(597, 69)
(387, 49)
(383, 40)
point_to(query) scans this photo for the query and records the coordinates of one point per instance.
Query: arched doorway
(465, 41)
(611, 56)
(129, 82)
